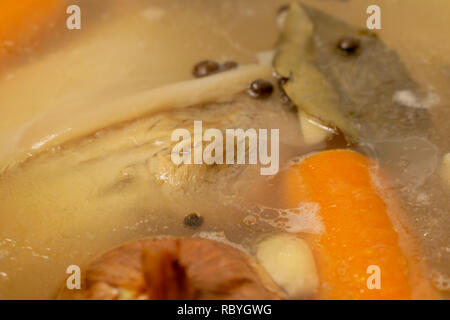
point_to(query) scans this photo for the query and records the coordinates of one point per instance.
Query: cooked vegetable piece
(358, 232)
(165, 277)
(290, 263)
(54, 128)
(313, 132)
(22, 22)
(355, 92)
(307, 86)
(175, 268)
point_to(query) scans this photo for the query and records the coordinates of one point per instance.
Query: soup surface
(64, 204)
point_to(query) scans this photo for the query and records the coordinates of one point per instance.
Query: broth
(72, 201)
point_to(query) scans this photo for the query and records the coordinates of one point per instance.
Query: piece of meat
(174, 268)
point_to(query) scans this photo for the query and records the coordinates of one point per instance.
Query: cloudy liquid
(68, 204)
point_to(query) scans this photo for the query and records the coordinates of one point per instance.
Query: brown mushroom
(174, 268)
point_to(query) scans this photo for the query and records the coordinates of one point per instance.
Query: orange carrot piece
(358, 232)
(23, 21)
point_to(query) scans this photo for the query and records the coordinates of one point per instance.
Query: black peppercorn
(228, 65)
(348, 45)
(260, 89)
(205, 68)
(193, 220)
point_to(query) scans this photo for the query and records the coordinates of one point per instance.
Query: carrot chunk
(358, 232)
(24, 21)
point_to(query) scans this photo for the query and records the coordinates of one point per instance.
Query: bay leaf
(353, 92)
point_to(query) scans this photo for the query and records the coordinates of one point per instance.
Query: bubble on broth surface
(304, 218)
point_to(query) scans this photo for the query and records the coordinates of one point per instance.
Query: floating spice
(228, 65)
(348, 45)
(260, 89)
(193, 220)
(205, 68)
(355, 95)
(208, 67)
